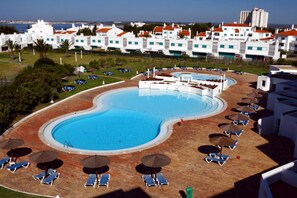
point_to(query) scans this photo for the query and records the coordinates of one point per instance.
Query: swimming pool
(127, 120)
(199, 76)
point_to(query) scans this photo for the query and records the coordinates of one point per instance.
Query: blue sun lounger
(242, 122)
(161, 179)
(92, 180)
(149, 181)
(49, 180)
(42, 175)
(104, 180)
(237, 133)
(215, 157)
(233, 146)
(16, 166)
(4, 161)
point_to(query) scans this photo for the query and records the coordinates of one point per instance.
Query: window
(225, 28)
(203, 46)
(82, 41)
(236, 34)
(161, 43)
(231, 34)
(93, 41)
(76, 40)
(62, 40)
(117, 42)
(110, 41)
(99, 41)
(259, 48)
(136, 43)
(170, 32)
(241, 35)
(52, 39)
(47, 39)
(225, 34)
(151, 43)
(196, 45)
(263, 83)
(222, 46)
(250, 48)
(130, 42)
(172, 44)
(231, 46)
(180, 45)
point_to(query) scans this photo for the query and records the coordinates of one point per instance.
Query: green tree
(11, 46)
(42, 47)
(85, 32)
(8, 29)
(65, 46)
(94, 30)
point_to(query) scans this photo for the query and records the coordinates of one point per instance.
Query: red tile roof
(236, 25)
(144, 34)
(68, 32)
(236, 30)
(202, 34)
(103, 30)
(158, 29)
(219, 29)
(121, 34)
(185, 32)
(262, 31)
(267, 38)
(168, 27)
(288, 33)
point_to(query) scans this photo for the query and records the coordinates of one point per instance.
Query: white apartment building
(256, 17)
(40, 29)
(232, 41)
(288, 40)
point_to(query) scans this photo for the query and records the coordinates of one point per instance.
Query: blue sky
(280, 11)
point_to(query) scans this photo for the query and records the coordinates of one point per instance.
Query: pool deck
(187, 147)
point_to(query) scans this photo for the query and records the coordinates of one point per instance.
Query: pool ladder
(67, 144)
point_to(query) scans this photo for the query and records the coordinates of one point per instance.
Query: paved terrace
(187, 147)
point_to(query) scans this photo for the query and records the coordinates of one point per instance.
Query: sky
(280, 11)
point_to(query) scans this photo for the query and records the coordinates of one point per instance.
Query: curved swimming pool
(127, 120)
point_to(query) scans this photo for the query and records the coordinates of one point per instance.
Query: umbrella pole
(221, 152)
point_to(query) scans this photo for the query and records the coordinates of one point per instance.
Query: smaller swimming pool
(199, 76)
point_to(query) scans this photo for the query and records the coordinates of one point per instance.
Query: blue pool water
(129, 118)
(197, 76)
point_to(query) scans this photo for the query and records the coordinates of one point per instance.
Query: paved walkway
(187, 147)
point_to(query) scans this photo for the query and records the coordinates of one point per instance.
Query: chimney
(293, 27)
(276, 30)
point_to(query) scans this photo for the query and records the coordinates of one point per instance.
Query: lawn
(6, 193)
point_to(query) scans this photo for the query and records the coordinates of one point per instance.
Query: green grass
(6, 193)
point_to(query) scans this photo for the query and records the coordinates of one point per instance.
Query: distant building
(256, 18)
(288, 39)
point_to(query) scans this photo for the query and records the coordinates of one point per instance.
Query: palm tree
(11, 46)
(66, 45)
(41, 47)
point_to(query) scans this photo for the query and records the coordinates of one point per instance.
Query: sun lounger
(161, 179)
(104, 180)
(49, 180)
(4, 161)
(220, 161)
(217, 155)
(255, 107)
(16, 166)
(92, 180)
(237, 133)
(242, 122)
(42, 175)
(149, 181)
(233, 146)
